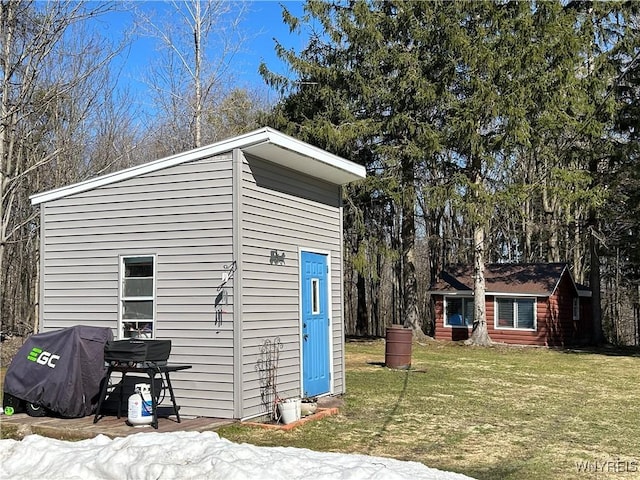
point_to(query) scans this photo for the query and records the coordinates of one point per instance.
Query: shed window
(515, 313)
(137, 296)
(458, 311)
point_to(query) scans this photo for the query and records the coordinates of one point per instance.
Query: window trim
(122, 298)
(445, 317)
(514, 299)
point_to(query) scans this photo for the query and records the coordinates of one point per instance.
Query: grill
(137, 352)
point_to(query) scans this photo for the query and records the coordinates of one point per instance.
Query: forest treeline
(502, 131)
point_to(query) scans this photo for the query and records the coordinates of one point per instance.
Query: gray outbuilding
(223, 250)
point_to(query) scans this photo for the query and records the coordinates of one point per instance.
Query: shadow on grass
(608, 350)
(377, 364)
(390, 415)
(361, 339)
(493, 472)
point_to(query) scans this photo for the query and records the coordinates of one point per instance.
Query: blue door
(315, 324)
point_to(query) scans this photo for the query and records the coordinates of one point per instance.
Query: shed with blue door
(232, 251)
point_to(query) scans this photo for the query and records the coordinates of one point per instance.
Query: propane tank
(140, 407)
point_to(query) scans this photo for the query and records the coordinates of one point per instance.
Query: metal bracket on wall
(228, 275)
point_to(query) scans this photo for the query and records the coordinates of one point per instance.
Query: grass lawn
(490, 413)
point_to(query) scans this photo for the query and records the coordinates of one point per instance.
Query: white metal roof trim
(351, 171)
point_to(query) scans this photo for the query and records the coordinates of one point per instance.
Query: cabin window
(458, 311)
(576, 308)
(518, 313)
(137, 296)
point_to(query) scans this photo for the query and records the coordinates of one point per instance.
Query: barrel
(398, 347)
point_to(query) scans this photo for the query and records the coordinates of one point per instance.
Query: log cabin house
(526, 304)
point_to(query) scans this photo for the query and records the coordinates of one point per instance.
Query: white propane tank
(140, 408)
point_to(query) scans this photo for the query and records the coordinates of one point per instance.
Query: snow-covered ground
(192, 455)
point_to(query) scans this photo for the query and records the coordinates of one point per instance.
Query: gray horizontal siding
(172, 193)
(76, 210)
(140, 237)
(152, 223)
(183, 216)
(282, 210)
(170, 252)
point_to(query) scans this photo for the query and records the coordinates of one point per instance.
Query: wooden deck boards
(20, 424)
(111, 426)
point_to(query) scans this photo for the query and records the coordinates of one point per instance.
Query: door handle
(305, 336)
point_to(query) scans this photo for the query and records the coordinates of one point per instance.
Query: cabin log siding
(285, 211)
(181, 214)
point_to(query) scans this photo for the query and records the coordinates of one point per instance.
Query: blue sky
(261, 23)
(265, 19)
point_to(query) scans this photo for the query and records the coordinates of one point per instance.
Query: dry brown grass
(491, 413)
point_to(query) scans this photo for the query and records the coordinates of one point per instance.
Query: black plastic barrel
(398, 347)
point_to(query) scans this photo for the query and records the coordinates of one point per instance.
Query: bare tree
(198, 41)
(54, 87)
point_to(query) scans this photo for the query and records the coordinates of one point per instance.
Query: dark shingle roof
(539, 279)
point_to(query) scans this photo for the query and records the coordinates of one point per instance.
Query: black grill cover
(60, 370)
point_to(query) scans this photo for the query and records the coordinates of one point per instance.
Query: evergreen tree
(494, 120)
(369, 86)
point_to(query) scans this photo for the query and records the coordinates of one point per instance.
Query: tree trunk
(362, 312)
(594, 283)
(578, 250)
(7, 16)
(377, 320)
(479, 334)
(527, 231)
(594, 272)
(408, 244)
(549, 207)
(409, 281)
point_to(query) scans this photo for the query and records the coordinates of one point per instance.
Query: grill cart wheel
(34, 410)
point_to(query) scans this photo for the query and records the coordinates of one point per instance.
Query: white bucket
(290, 410)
